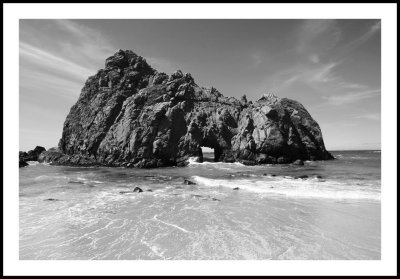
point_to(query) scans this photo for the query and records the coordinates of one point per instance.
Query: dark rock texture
(32, 155)
(301, 176)
(188, 182)
(137, 190)
(22, 163)
(128, 114)
(54, 155)
(298, 163)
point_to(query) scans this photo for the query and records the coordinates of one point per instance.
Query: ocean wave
(219, 165)
(43, 177)
(289, 187)
(340, 156)
(82, 178)
(193, 161)
(96, 181)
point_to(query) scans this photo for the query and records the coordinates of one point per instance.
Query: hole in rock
(208, 154)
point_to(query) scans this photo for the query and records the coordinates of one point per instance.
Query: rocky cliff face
(128, 114)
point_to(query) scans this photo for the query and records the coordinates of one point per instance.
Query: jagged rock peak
(126, 58)
(270, 98)
(243, 99)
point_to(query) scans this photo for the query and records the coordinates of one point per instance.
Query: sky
(333, 67)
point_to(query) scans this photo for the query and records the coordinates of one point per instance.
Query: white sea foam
(310, 188)
(192, 161)
(218, 165)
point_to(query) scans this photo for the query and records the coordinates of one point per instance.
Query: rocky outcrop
(22, 163)
(32, 155)
(128, 114)
(54, 155)
(298, 163)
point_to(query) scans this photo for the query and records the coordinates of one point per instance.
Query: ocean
(74, 213)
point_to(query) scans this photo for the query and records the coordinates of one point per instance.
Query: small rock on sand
(301, 176)
(137, 190)
(188, 182)
(75, 182)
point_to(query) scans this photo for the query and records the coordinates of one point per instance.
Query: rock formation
(23, 163)
(128, 114)
(32, 155)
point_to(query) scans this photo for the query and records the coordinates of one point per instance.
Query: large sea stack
(128, 114)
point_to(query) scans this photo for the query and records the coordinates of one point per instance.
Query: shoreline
(203, 211)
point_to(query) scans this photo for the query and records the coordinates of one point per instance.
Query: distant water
(92, 213)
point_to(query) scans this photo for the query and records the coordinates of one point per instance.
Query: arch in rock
(150, 119)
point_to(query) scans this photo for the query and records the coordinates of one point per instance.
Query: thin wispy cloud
(370, 116)
(316, 37)
(314, 58)
(327, 76)
(85, 44)
(60, 86)
(352, 97)
(362, 39)
(323, 74)
(257, 59)
(48, 60)
(77, 29)
(317, 76)
(95, 47)
(322, 52)
(70, 41)
(60, 65)
(351, 85)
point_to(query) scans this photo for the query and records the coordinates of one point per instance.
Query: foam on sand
(307, 188)
(218, 165)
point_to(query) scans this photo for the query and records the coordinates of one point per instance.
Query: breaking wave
(218, 165)
(288, 187)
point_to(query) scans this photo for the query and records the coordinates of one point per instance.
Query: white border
(13, 12)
